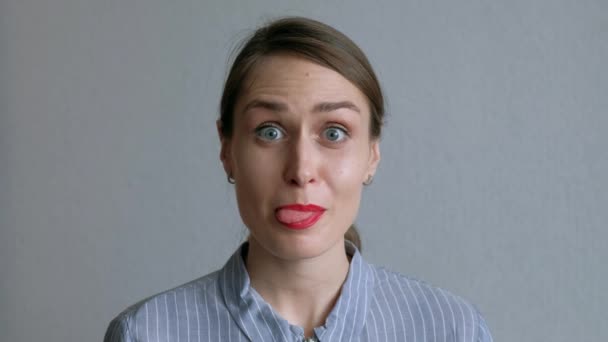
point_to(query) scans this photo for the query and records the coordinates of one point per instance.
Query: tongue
(291, 216)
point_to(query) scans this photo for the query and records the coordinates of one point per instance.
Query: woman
(301, 116)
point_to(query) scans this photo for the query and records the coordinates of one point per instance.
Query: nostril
(301, 181)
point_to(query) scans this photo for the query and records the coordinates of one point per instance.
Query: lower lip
(306, 223)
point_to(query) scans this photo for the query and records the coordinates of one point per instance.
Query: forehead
(296, 79)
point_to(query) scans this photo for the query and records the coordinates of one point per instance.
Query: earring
(369, 180)
(230, 179)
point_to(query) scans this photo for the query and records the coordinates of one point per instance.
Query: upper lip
(302, 207)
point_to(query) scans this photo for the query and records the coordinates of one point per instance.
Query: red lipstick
(299, 216)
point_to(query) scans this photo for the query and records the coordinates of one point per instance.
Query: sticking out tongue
(291, 216)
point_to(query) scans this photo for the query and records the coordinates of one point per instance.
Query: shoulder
(413, 290)
(428, 305)
(127, 325)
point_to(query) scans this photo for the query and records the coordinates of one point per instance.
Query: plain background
(493, 183)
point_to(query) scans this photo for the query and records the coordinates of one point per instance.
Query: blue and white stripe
(374, 305)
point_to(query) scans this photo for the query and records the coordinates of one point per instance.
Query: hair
(318, 43)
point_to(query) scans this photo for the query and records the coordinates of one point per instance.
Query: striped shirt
(374, 305)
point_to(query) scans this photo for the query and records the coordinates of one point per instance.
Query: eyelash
(340, 127)
(277, 126)
(267, 124)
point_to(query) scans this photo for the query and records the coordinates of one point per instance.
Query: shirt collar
(260, 322)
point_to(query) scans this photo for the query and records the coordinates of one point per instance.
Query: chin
(292, 248)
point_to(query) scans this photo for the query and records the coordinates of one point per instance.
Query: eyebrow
(270, 105)
(331, 106)
(323, 107)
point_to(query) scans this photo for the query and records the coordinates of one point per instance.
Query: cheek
(347, 166)
(253, 188)
(346, 189)
(344, 173)
(248, 159)
(255, 172)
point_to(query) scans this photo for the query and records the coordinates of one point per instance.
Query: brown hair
(317, 42)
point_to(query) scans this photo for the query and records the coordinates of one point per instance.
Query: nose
(302, 162)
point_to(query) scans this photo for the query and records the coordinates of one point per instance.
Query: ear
(225, 153)
(374, 158)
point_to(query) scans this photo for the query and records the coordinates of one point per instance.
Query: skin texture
(287, 148)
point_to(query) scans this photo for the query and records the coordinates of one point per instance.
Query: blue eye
(335, 134)
(269, 133)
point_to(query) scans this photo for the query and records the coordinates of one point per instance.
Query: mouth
(299, 216)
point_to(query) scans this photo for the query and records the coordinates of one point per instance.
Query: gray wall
(493, 184)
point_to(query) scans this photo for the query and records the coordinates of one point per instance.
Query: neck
(301, 291)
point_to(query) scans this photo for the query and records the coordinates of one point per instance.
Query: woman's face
(300, 152)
